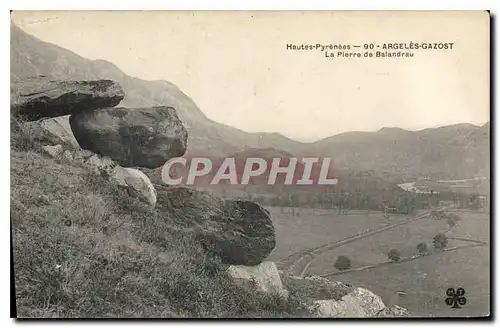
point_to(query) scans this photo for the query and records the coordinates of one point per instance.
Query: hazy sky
(235, 65)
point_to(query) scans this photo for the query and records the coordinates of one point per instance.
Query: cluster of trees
(399, 201)
(451, 218)
(440, 241)
(471, 201)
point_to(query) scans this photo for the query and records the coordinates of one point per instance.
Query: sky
(237, 69)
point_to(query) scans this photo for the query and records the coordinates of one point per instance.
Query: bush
(342, 263)
(422, 248)
(394, 255)
(440, 241)
(22, 135)
(452, 220)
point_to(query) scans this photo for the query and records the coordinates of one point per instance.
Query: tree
(422, 248)
(440, 241)
(342, 263)
(474, 201)
(394, 255)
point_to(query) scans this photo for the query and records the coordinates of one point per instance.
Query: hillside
(84, 249)
(457, 151)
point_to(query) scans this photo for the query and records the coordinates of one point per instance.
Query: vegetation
(394, 255)
(440, 241)
(342, 263)
(84, 248)
(422, 248)
(23, 136)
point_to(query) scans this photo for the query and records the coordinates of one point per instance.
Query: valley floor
(418, 284)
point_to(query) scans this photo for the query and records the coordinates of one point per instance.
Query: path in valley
(477, 243)
(297, 264)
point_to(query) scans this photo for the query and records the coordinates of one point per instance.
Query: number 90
(369, 46)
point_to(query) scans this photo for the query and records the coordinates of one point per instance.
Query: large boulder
(247, 234)
(360, 303)
(239, 232)
(38, 97)
(136, 183)
(263, 277)
(143, 137)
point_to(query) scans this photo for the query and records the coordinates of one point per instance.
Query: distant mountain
(31, 56)
(456, 151)
(265, 153)
(460, 150)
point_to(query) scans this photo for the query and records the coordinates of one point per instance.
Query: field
(315, 227)
(423, 281)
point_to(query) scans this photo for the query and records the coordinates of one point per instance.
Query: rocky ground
(94, 237)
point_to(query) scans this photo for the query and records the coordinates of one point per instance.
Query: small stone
(53, 151)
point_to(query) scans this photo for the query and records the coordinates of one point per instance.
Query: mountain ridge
(430, 151)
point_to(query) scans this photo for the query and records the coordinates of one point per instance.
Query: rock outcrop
(394, 311)
(38, 97)
(263, 277)
(101, 165)
(136, 183)
(360, 303)
(53, 131)
(53, 151)
(239, 232)
(144, 137)
(316, 288)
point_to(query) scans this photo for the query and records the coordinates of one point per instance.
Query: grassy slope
(83, 248)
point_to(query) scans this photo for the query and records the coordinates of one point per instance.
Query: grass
(83, 248)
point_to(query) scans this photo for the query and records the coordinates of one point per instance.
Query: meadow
(314, 227)
(419, 284)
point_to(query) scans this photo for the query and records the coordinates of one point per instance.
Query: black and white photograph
(250, 164)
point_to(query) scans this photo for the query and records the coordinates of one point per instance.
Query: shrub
(440, 241)
(452, 220)
(394, 255)
(422, 248)
(23, 135)
(342, 263)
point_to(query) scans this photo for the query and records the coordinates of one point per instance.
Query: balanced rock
(136, 183)
(144, 137)
(40, 97)
(263, 277)
(239, 232)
